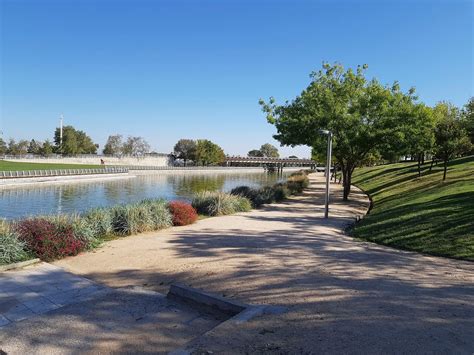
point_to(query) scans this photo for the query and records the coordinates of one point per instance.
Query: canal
(80, 196)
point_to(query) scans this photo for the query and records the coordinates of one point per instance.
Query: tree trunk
(419, 165)
(431, 166)
(445, 169)
(346, 183)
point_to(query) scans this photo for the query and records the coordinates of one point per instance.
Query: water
(80, 196)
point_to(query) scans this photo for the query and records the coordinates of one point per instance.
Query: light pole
(328, 170)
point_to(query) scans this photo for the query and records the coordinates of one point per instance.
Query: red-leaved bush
(48, 240)
(183, 213)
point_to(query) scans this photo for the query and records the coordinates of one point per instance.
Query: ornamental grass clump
(249, 193)
(297, 183)
(220, 203)
(48, 240)
(158, 212)
(100, 221)
(280, 191)
(140, 217)
(183, 213)
(12, 249)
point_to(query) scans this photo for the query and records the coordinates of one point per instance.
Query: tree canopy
(209, 153)
(269, 151)
(114, 145)
(185, 149)
(74, 142)
(135, 146)
(362, 114)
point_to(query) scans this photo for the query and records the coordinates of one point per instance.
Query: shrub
(220, 203)
(48, 240)
(266, 194)
(249, 193)
(100, 221)
(81, 228)
(297, 183)
(159, 214)
(183, 213)
(281, 191)
(12, 249)
(141, 217)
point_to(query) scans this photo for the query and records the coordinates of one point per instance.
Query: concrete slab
(39, 289)
(122, 320)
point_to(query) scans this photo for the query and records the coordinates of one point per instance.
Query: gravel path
(343, 295)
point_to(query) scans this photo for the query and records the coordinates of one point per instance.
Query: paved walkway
(343, 296)
(46, 310)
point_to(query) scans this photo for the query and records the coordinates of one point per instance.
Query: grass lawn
(14, 166)
(421, 214)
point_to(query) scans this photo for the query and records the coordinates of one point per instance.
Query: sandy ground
(343, 295)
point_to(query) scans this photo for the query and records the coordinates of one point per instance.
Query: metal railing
(60, 172)
(133, 167)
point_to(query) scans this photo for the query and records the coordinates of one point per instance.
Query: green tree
(17, 148)
(74, 142)
(185, 149)
(3, 147)
(451, 139)
(468, 119)
(47, 148)
(136, 146)
(255, 153)
(34, 147)
(269, 151)
(209, 153)
(363, 115)
(114, 145)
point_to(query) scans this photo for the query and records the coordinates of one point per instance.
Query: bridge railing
(61, 172)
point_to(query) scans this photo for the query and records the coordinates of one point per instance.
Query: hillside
(421, 214)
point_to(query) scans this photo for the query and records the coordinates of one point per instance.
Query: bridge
(268, 163)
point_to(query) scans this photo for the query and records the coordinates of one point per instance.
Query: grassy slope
(421, 214)
(15, 166)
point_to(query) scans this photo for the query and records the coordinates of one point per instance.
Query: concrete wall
(91, 159)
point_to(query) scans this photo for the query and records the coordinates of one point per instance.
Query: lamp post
(328, 170)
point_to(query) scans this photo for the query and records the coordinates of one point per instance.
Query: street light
(328, 170)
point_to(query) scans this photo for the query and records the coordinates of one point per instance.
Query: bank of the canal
(75, 194)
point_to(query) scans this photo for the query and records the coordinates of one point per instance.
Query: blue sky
(166, 70)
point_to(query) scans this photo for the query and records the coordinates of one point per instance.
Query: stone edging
(19, 265)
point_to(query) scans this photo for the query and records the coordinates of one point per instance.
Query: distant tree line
(369, 122)
(266, 150)
(198, 152)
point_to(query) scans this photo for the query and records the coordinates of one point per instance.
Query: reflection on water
(78, 197)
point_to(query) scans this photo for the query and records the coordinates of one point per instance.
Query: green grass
(17, 166)
(423, 214)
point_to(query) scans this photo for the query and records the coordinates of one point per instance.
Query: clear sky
(175, 69)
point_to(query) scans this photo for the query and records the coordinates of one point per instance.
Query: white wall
(95, 160)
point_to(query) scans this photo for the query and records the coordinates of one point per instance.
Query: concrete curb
(239, 312)
(19, 265)
(214, 302)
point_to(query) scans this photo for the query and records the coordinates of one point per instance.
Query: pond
(80, 196)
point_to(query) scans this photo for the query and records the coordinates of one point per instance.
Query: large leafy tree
(209, 153)
(362, 114)
(136, 146)
(3, 147)
(17, 148)
(74, 142)
(185, 149)
(269, 151)
(34, 147)
(255, 153)
(451, 138)
(114, 145)
(468, 119)
(47, 148)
